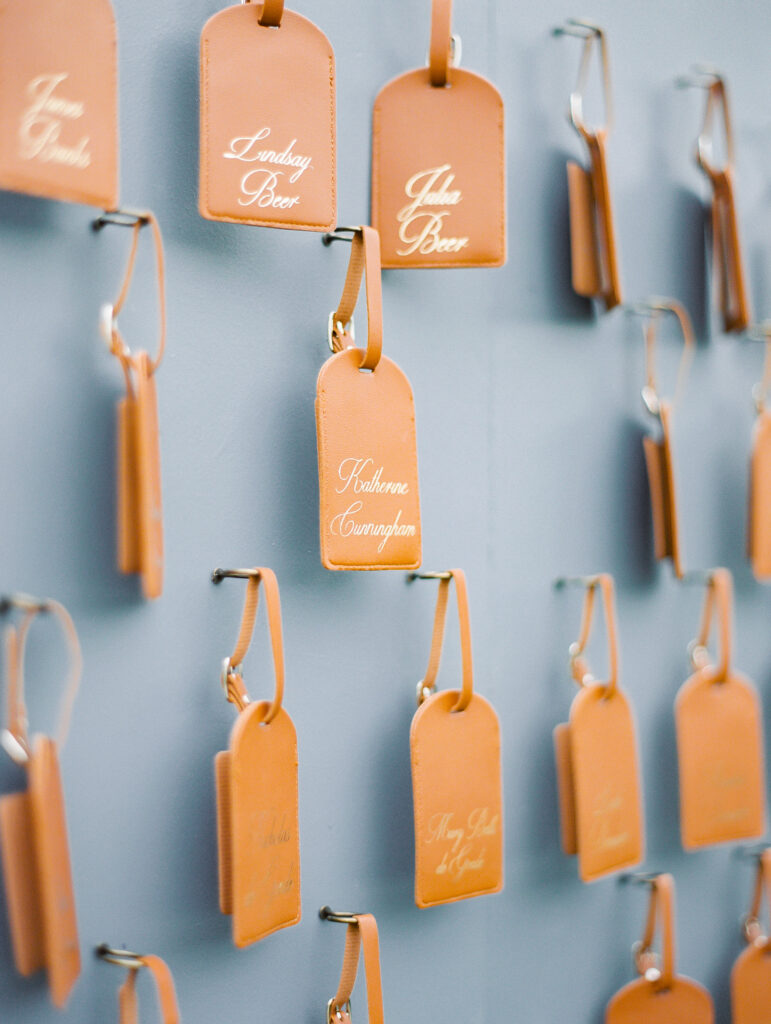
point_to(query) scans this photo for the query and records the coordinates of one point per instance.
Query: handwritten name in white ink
(260, 185)
(42, 123)
(421, 221)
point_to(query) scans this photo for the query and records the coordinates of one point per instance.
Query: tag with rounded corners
(54, 875)
(759, 534)
(720, 759)
(59, 102)
(684, 1002)
(661, 481)
(455, 748)
(257, 808)
(369, 506)
(599, 784)
(456, 784)
(751, 984)
(438, 172)
(17, 848)
(267, 147)
(368, 466)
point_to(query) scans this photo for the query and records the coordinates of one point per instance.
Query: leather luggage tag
(369, 506)
(593, 253)
(455, 747)
(267, 119)
(759, 519)
(658, 452)
(597, 764)
(139, 504)
(438, 162)
(361, 936)
(257, 800)
(59, 101)
(164, 984)
(33, 835)
(751, 974)
(660, 996)
(733, 301)
(719, 738)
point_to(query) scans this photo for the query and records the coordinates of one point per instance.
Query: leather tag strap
(762, 881)
(365, 258)
(236, 689)
(661, 910)
(118, 346)
(651, 334)
(437, 639)
(578, 664)
(15, 647)
(164, 983)
(441, 41)
(606, 235)
(727, 253)
(362, 934)
(718, 601)
(272, 11)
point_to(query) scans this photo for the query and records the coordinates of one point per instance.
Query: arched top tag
(58, 101)
(267, 124)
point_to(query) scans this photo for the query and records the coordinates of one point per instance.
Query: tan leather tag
(751, 985)
(49, 826)
(58, 101)
(224, 831)
(584, 251)
(684, 1002)
(760, 498)
(658, 459)
(21, 887)
(259, 829)
(148, 477)
(456, 783)
(720, 757)
(438, 172)
(566, 789)
(267, 148)
(606, 806)
(368, 465)
(127, 496)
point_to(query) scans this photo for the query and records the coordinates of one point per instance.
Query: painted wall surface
(529, 427)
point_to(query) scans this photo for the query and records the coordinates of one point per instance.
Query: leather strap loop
(236, 690)
(118, 346)
(718, 602)
(578, 664)
(441, 42)
(661, 910)
(16, 641)
(164, 983)
(365, 259)
(437, 639)
(272, 12)
(363, 934)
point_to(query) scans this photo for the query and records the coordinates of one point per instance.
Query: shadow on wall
(634, 559)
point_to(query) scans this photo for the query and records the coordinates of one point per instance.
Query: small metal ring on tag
(336, 1014)
(424, 692)
(651, 400)
(456, 51)
(348, 329)
(13, 747)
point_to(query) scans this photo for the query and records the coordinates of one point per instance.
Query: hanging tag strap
(761, 389)
(15, 647)
(365, 259)
(753, 930)
(164, 983)
(361, 935)
(651, 333)
(606, 236)
(118, 346)
(578, 664)
(271, 14)
(661, 911)
(718, 601)
(441, 41)
(437, 639)
(236, 691)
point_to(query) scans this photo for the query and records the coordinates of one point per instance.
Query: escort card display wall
(529, 429)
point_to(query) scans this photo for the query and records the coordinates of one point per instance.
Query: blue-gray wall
(529, 423)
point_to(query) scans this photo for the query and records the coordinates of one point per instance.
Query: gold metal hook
(412, 576)
(218, 575)
(120, 957)
(590, 33)
(120, 218)
(576, 581)
(340, 234)
(639, 878)
(338, 917)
